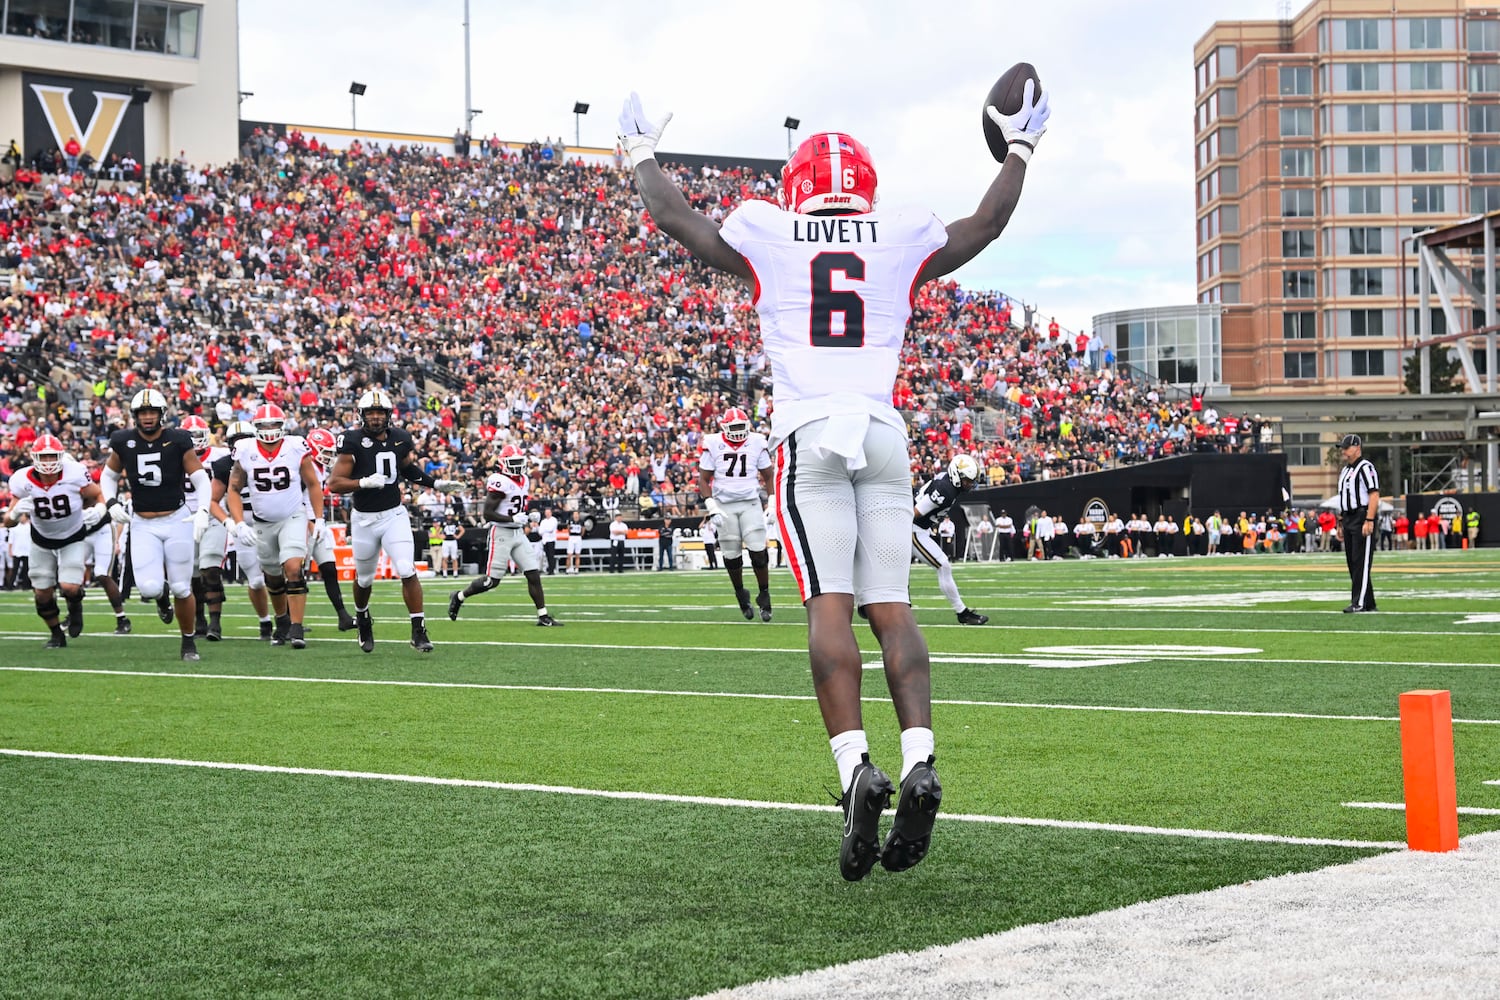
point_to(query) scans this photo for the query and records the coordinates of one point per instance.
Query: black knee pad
(213, 579)
(296, 585)
(48, 608)
(760, 559)
(275, 586)
(734, 562)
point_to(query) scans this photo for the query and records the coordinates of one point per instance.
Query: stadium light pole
(580, 108)
(791, 125)
(469, 111)
(356, 91)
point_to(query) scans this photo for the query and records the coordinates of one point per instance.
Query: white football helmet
(47, 455)
(237, 430)
(963, 468)
(375, 401)
(735, 425)
(269, 422)
(513, 461)
(145, 401)
(197, 429)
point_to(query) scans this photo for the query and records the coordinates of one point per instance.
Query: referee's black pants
(1359, 553)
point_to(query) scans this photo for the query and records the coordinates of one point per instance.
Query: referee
(1359, 498)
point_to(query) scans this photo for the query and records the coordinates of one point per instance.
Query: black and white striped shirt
(1356, 483)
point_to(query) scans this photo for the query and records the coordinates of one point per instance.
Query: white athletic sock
(916, 747)
(541, 611)
(848, 747)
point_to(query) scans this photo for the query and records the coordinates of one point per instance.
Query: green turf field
(640, 804)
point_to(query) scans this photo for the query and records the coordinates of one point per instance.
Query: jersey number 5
(826, 301)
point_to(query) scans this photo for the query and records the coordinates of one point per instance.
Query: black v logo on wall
(98, 113)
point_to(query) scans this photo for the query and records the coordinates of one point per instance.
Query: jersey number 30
(826, 301)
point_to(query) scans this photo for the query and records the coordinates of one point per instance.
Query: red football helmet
(735, 425)
(324, 445)
(513, 461)
(47, 455)
(269, 423)
(197, 429)
(830, 170)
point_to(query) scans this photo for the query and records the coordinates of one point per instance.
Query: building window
(1299, 326)
(1297, 243)
(1297, 202)
(1362, 34)
(1484, 159)
(1427, 117)
(1229, 256)
(1296, 121)
(1364, 281)
(1484, 198)
(1427, 159)
(1364, 200)
(1366, 323)
(1302, 449)
(1366, 363)
(1364, 240)
(1229, 141)
(1299, 364)
(1484, 78)
(1363, 117)
(1426, 32)
(1484, 118)
(1427, 198)
(1484, 36)
(1296, 163)
(1299, 284)
(146, 26)
(1296, 80)
(1364, 159)
(1361, 76)
(1426, 76)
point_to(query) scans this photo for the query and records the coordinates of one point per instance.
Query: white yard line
(748, 696)
(506, 786)
(1401, 806)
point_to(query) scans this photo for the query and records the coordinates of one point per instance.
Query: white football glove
(715, 511)
(319, 530)
(374, 482)
(449, 486)
(637, 133)
(94, 515)
(118, 513)
(1023, 130)
(24, 505)
(247, 535)
(200, 524)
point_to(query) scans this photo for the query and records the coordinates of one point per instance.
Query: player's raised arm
(694, 230)
(968, 236)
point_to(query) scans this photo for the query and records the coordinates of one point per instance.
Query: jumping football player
(733, 469)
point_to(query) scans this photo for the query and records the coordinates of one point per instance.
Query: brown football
(1006, 95)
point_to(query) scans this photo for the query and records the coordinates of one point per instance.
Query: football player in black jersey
(372, 460)
(157, 462)
(933, 501)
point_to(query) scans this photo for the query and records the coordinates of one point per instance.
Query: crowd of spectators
(510, 296)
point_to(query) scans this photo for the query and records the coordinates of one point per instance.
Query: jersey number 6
(826, 301)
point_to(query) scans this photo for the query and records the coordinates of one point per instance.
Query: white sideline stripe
(1495, 782)
(1462, 810)
(705, 800)
(747, 695)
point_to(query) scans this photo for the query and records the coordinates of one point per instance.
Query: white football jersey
(275, 480)
(57, 509)
(735, 466)
(208, 458)
(322, 475)
(834, 294)
(513, 492)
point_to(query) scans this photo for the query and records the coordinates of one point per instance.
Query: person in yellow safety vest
(435, 544)
(1472, 526)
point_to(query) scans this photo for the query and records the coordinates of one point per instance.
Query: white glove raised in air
(246, 533)
(200, 523)
(374, 482)
(94, 515)
(1023, 130)
(118, 513)
(638, 134)
(448, 485)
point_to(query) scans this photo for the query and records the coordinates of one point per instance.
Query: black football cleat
(279, 633)
(75, 620)
(164, 609)
(200, 625)
(189, 650)
(454, 604)
(346, 622)
(366, 626)
(122, 625)
(763, 601)
(967, 617)
(419, 640)
(868, 794)
(547, 621)
(294, 634)
(266, 629)
(56, 640)
(1352, 608)
(743, 596)
(215, 631)
(916, 811)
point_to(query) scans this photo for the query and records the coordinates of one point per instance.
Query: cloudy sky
(1106, 220)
